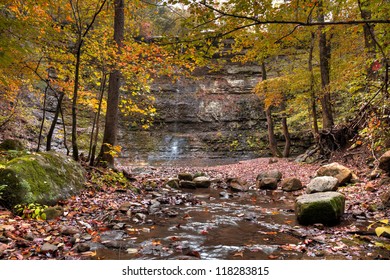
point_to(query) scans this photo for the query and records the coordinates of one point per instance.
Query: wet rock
(342, 173)
(225, 195)
(202, 182)
(324, 207)
(384, 162)
(291, 184)
(187, 185)
(185, 176)
(83, 247)
(267, 184)
(322, 184)
(112, 235)
(237, 185)
(48, 248)
(118, 226)
(276, 174)
(53, 212)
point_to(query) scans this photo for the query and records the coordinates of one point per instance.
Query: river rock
(173, 183)
(291, 184)
(322, 184)
(276, 174)
(202, 182)
(43, 178)
(237, 185)
(185, 176)
(187, 185)
(326, 208)
(384, 162)
(342, 173)
(267, 184)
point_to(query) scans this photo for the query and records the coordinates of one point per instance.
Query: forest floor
(99, 209)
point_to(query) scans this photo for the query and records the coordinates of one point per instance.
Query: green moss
(324, 210)
(41, 177)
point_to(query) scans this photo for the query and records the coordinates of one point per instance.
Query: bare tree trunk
(111, 125)
(96, 122)
(75, 149)
(286, 133)
(369, 41)
(273, 146)
(325, 53)
(54, 122)
(43, 117)
(313, 103)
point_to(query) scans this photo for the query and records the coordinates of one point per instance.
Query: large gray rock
(322, 184)
(342, 173)
(276, 174)
(384, 162)
(41, 178)
(326, 208)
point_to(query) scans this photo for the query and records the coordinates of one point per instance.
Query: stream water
(223, 225)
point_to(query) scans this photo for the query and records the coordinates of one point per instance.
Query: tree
(111, 125)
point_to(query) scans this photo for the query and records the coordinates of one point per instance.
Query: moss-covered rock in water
(326, 208)
(11, 144)
(42, 178)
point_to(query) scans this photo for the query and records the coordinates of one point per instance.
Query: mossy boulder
(11, 144)
(41, 178)
(325, 207)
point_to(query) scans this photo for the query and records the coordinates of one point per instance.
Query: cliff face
(215, 115)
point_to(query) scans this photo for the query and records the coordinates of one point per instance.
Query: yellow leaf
(380, 230)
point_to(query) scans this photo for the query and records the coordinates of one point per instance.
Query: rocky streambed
(216, 221)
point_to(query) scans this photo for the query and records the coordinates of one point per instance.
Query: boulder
(291, 184)
(342, 173)
(202, 182)
(322, 184)
(43, 178)
(267, 184)
(384, 162)
(237, 185)
(187, 185)
(276, 174)
(185, 176)
(173, 183)
(11, 144)
(326, 208)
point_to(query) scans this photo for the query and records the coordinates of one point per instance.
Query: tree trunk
(286, 133)
(368, 31)
(111, 125)
(97, 121)
(313, 98)
(54, 122)
(43, 117)
(325, 52)
(75, 149)
(271, 133)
